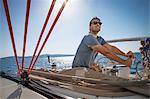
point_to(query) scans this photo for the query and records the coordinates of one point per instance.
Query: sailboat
(95, 83)
(81, 83)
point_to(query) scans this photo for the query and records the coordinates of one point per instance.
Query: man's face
(95, 26)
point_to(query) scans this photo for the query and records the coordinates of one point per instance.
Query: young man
(92, 44)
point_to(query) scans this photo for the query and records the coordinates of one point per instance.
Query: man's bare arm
(109, 54)
(114, 49)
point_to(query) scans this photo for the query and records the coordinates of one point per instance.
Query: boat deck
(12, 90)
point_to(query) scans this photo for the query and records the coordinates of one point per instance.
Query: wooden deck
(80, 83)
(80, 92)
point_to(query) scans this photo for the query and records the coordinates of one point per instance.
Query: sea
(8, 64)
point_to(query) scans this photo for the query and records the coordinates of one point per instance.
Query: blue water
(8, 64)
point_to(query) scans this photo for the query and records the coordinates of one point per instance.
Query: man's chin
(97, 31)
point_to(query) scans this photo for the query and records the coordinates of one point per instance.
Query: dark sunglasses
(97, 23)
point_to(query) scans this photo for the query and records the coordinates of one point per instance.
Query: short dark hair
(94, 18)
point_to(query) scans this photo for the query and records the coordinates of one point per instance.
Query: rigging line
(41, 34)
(25, 30)
(50, 31)
(11, 32)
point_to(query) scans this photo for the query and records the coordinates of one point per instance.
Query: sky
(120, 18)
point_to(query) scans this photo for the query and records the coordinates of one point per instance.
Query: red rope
(41, 34)
(56, 19)
(11, 32)
(25, 30)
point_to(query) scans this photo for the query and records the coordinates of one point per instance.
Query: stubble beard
(96, 31)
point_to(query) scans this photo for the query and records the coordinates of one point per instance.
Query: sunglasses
(97, 23)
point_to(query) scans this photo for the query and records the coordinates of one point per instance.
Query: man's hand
(130, 54)
(96, 67)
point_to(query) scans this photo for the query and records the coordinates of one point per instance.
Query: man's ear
(89, 28)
